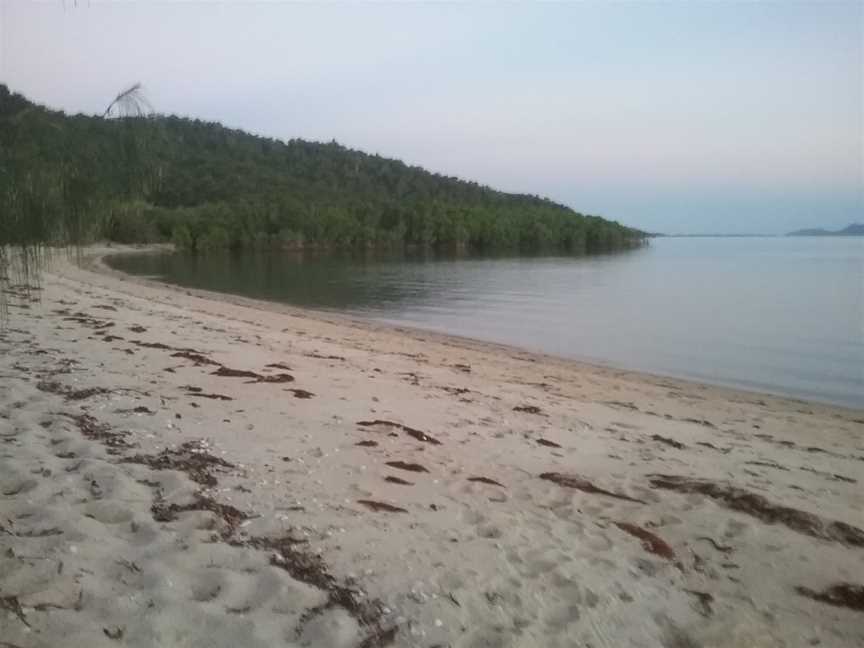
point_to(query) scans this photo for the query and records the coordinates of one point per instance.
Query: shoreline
(95, 261)
(182, 470)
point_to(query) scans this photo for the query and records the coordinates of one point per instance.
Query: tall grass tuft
(44, 210)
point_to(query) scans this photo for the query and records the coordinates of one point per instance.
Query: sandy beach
(179, 468)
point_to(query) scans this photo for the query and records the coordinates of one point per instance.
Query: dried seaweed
(845, 595)
(579, 483)
(301, 393)
(95, 431)
(309, 568)
(189, 457)
(278, 365)
(197, 358)
(397, 480)
(381, 506)
(713, 447)
(738, 499)
(320, 356)
(201, 394)
(227, 372)
(11, 604)
(412, 432)
(831, 476)
(230, 515)
(402, 465)
(278, 378)
(486, 480)
(651, 542)
(547, 443)
(527, 409)
(141, 409)
(703, 601)
(670, 442)
(54, 387)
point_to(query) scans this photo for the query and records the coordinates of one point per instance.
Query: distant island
(855, 229)
(152, 178)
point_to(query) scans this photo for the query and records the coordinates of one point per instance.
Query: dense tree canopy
(205, 186)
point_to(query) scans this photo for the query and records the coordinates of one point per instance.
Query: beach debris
(547, 443)
(412, 432)
(137, 328)
(831, 476)
(159, 345)
(381, 506)
(309, 568)
(86, 320)
(319, 356)
(398, 480)
(116, 633)
(11, 604)
(197, 358)
(40, 533)
(697, 421)
(527, 409)
(201, 394)
(464, 368)
(579, 483)
(846, 595)
(140, 409)
(621, 404)
(190, 457)
(231, 516)
(456, 391)
(301, 393)
(95, 431)
(721, 548)
(227, 372)
(107, 307)
(703, 601)
(278, 378)
(670, 442)
(767, 464)
(707, 444)
(278, 365)
(380, 638)
(367, 444)
(651, 542)
(743, 501)
(486, 480)
(402, 465)
(54, 387)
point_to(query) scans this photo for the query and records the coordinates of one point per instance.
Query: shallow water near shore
(782, 315)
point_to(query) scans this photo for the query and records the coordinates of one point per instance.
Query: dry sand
(365, 486)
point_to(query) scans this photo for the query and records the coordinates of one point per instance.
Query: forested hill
(204, 186)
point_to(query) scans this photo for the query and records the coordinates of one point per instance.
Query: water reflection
(773, 314)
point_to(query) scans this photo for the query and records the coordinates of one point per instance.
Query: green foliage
(205, 187)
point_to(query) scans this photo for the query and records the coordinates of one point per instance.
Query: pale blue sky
(674, 117)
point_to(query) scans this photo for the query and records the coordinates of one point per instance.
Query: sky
(675, 117)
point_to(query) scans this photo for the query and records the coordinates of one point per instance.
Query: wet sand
(188, 469)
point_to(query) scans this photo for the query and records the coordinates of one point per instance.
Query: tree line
(74, 178)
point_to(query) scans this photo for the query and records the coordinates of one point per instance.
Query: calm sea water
(783, 315)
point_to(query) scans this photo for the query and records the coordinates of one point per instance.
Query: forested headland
(141, 179)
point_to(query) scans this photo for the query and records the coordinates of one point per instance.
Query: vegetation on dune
(136, 178)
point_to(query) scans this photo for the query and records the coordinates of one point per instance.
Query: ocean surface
(781, 315)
